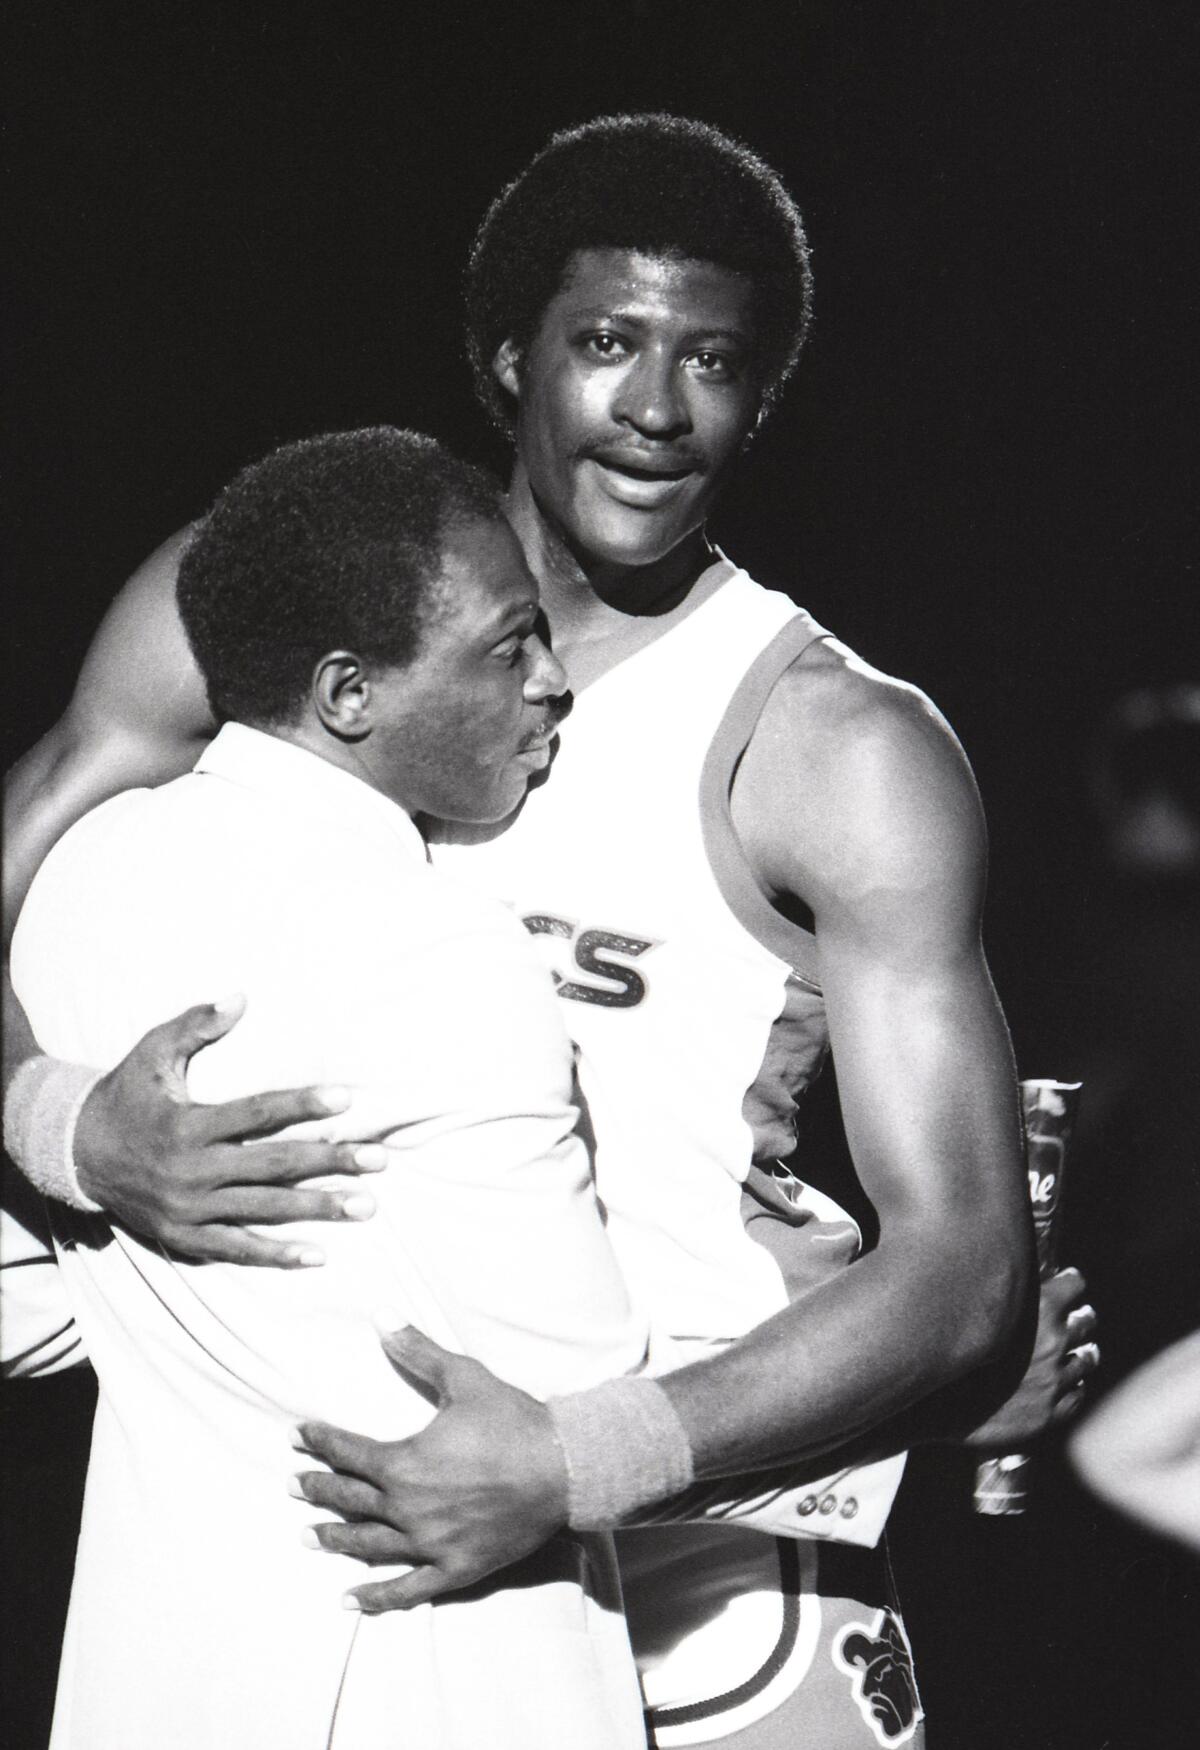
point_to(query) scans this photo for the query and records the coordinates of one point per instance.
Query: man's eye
(714, 364)
(604, 345)
(511, 650)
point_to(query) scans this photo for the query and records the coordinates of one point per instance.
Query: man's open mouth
(642, 470)
(642, 482)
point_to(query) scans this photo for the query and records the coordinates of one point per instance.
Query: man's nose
(651, 399)
(547, 678)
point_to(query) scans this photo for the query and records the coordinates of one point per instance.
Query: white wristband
(43, 1102)
(624, 1446)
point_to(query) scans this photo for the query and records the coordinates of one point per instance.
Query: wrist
(41, 1110)
(624, 1448)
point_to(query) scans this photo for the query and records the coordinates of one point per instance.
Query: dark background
(236, 225)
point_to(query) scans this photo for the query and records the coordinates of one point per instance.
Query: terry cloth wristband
(624, 1447)
(43, 1102)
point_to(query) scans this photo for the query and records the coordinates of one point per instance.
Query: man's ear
(506, 367)
(341, 695)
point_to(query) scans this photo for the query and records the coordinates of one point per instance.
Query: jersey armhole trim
(739, 886)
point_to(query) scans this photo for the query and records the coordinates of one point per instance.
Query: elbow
(1000, 1305)
(974, 1292)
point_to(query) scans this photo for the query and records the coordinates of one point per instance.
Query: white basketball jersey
(693, 1004)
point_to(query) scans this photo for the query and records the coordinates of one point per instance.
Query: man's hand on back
(483, 1485)
(485, 1482)
(176, 1171)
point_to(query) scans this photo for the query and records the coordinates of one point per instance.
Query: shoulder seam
(730, 866)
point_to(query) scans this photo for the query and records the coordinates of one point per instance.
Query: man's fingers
(356, 1454)
(366, 1543)
(174, 1043)
(263, 1114)
(1065, 1287)
(264, 1203)
(349, 1496)
(213, 1243)
(426, 1366)
(1078, 1366)
(1081, 1324)
(418, 1587)
(294, 1159)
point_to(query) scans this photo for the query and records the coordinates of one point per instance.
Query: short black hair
(657, 183)
(333, 542)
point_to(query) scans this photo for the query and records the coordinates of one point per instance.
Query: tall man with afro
(752, 847)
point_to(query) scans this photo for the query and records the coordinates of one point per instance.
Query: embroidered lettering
(602, 955)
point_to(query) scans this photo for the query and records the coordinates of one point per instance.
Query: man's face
(459, 733)
(634, 399)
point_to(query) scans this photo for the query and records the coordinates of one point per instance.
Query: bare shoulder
(854, 783)
(138, 715)
(139, 673)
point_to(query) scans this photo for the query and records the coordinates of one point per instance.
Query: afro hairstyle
(331, 543)
(657, 183)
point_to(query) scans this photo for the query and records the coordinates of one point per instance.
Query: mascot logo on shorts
(879, 1659)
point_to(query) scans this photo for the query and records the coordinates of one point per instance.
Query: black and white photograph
(601, 877)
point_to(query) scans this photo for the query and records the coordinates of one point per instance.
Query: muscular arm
(138, 716)
(854, 798)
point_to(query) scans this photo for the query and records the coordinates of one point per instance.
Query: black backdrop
(238, 224)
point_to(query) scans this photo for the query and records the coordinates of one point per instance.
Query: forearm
(42, 1102)
(41, 1099)
(928, 1094)
(864, 1350)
